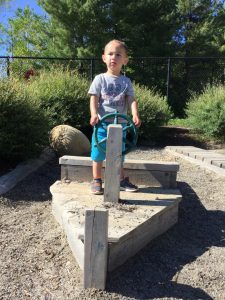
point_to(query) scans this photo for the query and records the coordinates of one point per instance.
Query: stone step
(210, 159)
(141, 172)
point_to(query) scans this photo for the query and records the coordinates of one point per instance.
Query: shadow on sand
(151, 273)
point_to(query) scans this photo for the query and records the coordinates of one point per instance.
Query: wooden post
(95, 248)
(113, 163)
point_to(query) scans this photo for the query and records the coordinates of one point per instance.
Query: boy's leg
(96, 154)
(122, 175)
(97, 169)
(125, 184)
(96, 184)
(97, 157)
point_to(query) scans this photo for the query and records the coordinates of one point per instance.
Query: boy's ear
(103, 57)
(126, 61)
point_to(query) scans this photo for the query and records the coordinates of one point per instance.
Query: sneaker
(96, 187)
(126, 185)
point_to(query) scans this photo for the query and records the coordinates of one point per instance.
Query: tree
(28, 34)
(219, 27)
(20, 38)
(2, 2)
(31, 35)
(201, 24)
(200, 34)
(146, 25)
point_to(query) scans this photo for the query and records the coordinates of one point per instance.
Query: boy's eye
(117, 54)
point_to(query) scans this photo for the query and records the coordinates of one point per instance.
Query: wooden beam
(95, 248)
(134, 164)
(113, 163)
(142, 172)
(76, 244)
(127, 247)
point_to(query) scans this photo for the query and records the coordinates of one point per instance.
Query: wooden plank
(141, 236)
(76, 173)
(113, 163)
(151, 165)
(132, 224)
(72, 232)
(152, 178)
(95, 248)
(165, 179)
(134, 208)
(135, 164)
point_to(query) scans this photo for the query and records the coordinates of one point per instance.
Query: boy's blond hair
(122, 44)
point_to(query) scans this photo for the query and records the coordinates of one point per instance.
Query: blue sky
(8, 11)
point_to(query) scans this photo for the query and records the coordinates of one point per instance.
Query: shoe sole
(127, 190)
(97, 193)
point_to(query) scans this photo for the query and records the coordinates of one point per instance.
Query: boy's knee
(96, 154)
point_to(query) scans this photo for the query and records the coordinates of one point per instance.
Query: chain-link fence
(176, 78)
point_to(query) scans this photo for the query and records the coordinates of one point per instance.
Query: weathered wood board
(132, 223)
(141, 172)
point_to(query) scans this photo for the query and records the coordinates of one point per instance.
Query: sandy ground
(187, 262)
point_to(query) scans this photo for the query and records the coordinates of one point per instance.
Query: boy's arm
(93, 109)
(134, 111)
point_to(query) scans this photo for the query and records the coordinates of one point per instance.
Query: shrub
(23, 125)
(206, 112)
(63, 94)
(154, 111)
(178, 122)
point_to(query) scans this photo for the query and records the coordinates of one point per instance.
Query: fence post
(168, 80)
(8, 69)
(92, 69)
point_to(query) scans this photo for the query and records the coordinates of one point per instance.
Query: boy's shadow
(151, 273)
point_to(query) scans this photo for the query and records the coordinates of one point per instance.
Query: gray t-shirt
(112, 91)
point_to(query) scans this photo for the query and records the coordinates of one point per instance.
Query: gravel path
(187, 262)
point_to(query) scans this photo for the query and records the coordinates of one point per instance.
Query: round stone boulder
(67, 140)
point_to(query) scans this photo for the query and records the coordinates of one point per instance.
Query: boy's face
(114, 57)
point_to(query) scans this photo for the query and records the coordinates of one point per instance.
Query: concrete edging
(185, 153)
(10, 179)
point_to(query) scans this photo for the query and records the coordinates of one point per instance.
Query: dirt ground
(187, 262)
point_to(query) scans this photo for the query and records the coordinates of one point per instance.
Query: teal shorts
(97, 154)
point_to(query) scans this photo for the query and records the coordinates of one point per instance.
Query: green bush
(154, 111)
(63, 95)
(178, 122)
(23, 125)
(206, 112)
(28, 110)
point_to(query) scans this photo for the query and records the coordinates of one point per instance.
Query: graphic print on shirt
(113, 95)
